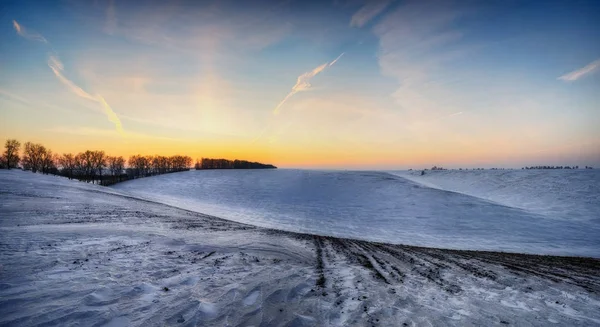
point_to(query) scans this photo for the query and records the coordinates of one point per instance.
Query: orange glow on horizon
(304, 157)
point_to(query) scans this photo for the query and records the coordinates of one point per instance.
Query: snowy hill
(559, 194)
(75, 254)
(405, 209)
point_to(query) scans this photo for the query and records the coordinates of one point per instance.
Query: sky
(307, 84)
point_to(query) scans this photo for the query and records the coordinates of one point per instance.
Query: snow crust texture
(74, 254)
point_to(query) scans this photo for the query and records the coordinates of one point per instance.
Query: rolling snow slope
(558, 194)
(378, 206)
(75, 254)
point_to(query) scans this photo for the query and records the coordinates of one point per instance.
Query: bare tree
(110, 162)
(116, 165)
(80, 166)
(68, 164)
(138, 164)
(98, 162)
(48, 162)
(85, 165)
(11, 153)
(90, 165)
(33, 157)
(133, 164)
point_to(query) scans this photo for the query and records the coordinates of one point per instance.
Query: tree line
(207, 163)
(89, 166)
(144, 166)
(95, 166)
(532, 167)
(555, 167)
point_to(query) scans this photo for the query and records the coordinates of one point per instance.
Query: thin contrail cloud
(336, 59)
(581, 72)
(303, 82)
(112, 117)
(14, 96)
(57, 68)
(28, 35)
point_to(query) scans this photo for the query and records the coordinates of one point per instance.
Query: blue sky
(339, 84)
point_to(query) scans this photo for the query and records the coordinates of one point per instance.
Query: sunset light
(392, 85)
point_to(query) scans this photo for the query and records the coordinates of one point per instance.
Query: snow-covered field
(538, 212)
(559, 194)
(74, 254)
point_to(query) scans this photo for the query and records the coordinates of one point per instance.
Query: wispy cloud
(28, 35)
(108, 133)
(13, 96)
(303, 82)
(111, 18)
(57, 67)
(581, 72)
(369, 11)
(417, 41)
(208, 30)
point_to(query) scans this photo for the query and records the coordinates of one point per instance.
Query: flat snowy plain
(75, 254)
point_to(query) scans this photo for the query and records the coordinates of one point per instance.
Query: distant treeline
(555, 167)
(89, 166)
(533, 167)
(207, 163)
(438, 168)
(432, 168)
